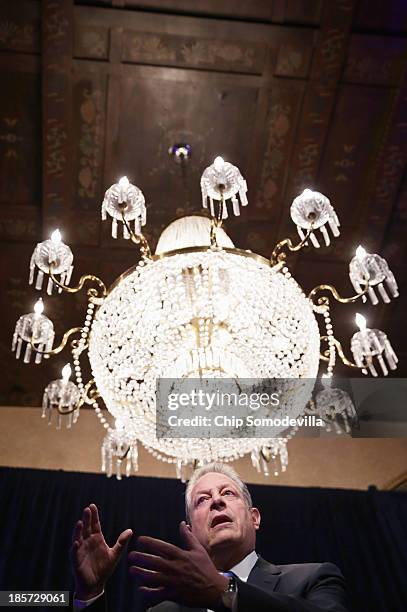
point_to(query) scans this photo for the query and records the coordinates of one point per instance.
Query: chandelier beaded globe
(200, 308)
(181, 316)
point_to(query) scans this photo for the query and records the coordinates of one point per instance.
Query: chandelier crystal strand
(313, 210)
(55, 255)
(331, 342)
(33, 330)
(76, 352)
(124, 200)
(374, 269)
(368, 344)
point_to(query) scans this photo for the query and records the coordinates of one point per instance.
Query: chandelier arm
(87, 277)
(325, 357)
(90, 394)
(64, 341)
(276, 256)
(70, 411)
(336, 295)
(138, 239)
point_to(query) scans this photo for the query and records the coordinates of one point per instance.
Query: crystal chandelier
(201, 308)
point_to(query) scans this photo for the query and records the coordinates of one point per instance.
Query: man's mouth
(220, 519)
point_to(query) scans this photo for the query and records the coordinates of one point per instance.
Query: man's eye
(199, 500)
(228, 492)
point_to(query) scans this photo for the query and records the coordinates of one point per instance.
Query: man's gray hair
(219, 468)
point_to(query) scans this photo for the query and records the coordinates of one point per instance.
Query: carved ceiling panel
(295, 92)
(20, 132)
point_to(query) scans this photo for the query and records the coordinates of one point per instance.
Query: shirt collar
(245, 566)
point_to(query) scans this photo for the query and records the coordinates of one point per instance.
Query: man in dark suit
(218, 569)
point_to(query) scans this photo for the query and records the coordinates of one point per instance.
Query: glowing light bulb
(123, 187)
(360, 321)
(56, 237)
(66, 373)
(124, 183)
(219, 163)
(360, 253)
(39, 307)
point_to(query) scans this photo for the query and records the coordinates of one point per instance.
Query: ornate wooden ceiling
(295, 92)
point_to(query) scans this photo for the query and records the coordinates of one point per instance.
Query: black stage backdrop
(364, 533)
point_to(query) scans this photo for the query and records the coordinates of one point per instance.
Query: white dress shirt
(242, 571)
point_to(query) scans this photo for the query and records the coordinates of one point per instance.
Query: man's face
(219, 515)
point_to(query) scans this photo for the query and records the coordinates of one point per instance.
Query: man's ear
(256, 517)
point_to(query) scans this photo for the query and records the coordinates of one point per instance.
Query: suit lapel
(264, 575)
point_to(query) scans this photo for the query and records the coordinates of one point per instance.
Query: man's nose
(217, 501)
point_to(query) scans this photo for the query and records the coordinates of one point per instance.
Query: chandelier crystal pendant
(202, 308)
(311, 211)
(221, 182)
(51, 253)
(34, 331)
(374, 269)
(125, 203)
(64, 396)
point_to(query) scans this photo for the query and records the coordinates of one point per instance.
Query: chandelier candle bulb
(219, 163)
(373, 269)
(360, 253)
(124, 184)
(55, 256)
(38, 308)
(360, 321)
(56, 237)
(66, 373)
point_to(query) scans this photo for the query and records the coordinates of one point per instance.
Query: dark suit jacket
(305, 587)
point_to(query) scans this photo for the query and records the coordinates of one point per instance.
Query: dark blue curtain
(364, 533)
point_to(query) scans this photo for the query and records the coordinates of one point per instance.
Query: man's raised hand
(188, 577)
(92, 559)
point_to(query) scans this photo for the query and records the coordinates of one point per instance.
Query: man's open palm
(92, 559)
